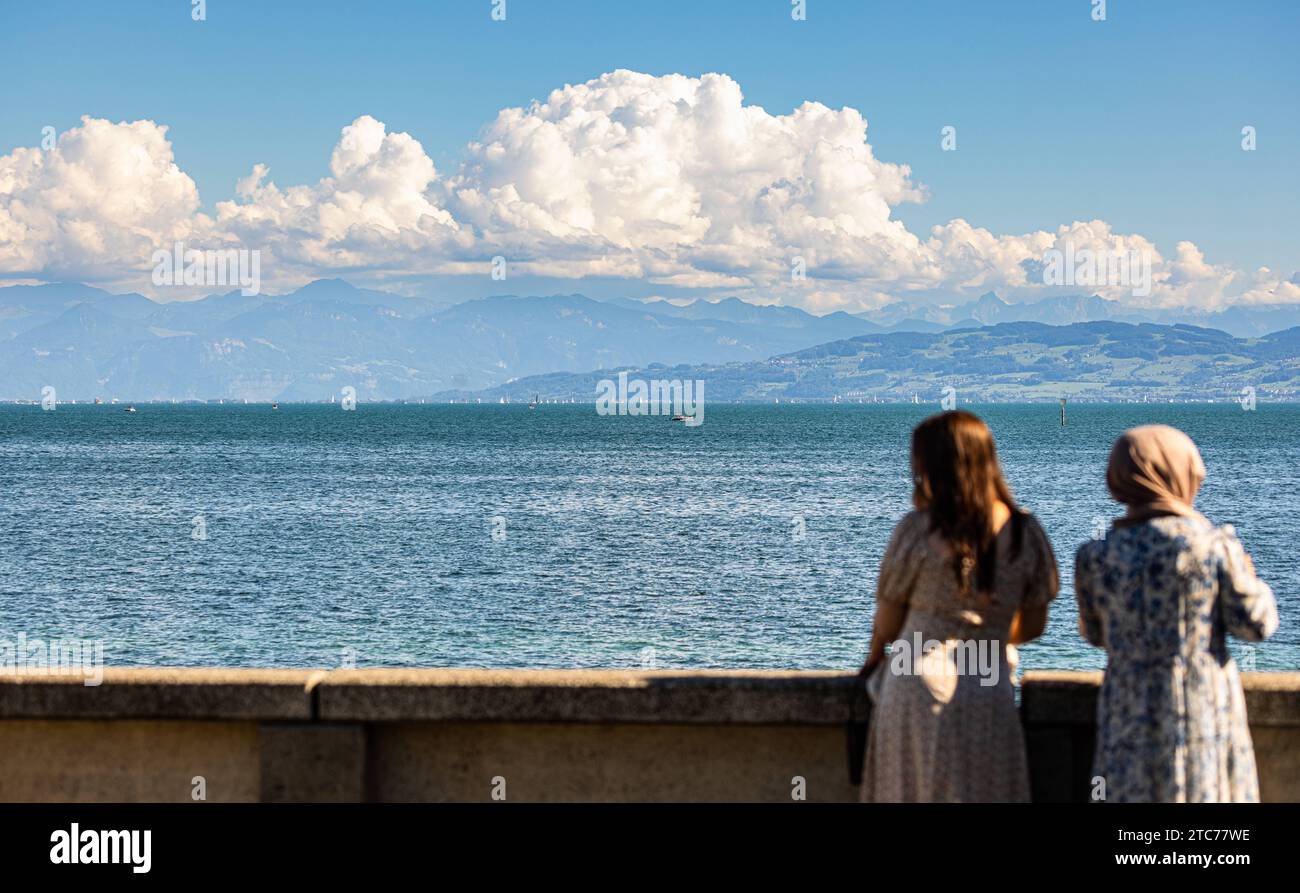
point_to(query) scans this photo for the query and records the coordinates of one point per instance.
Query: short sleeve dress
(1161, 597)
(944, 726)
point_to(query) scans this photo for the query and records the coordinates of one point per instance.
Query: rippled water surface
(370, 533)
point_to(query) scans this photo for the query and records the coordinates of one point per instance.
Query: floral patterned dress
(1161, 597)
(945, 727)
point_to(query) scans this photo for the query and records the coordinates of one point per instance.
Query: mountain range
(311, 343)
(1239, 320)
(1008, 361)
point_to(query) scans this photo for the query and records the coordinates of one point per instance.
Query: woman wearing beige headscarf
(1160, 593)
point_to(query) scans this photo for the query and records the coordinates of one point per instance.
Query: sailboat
(533, 405)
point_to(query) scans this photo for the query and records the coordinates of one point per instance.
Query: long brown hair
(958, 480)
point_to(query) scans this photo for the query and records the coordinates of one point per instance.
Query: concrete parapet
(521, 735)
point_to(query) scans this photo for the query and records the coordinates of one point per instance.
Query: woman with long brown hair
(964, 575)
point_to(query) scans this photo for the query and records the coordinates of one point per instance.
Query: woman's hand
(1027, 624)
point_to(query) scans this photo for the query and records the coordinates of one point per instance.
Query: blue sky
(1135, 120)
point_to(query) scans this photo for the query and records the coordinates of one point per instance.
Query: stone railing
(525, 735)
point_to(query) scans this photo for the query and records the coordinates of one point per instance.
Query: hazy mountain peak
(307, 344)
(332, 286)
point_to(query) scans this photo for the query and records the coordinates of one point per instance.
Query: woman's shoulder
(913, 528)
(1030, 521)
(1090, 553)
(1195, 531)
(1204, 534)
(1033, 539)
(1032, 530)
(917, 521)
(1193, 534)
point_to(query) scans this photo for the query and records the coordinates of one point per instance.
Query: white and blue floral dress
(1161, 598)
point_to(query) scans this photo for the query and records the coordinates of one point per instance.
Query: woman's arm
(1027, 624)
(1043, 584)
(898, 572)
(886, 626)
(1246, 602)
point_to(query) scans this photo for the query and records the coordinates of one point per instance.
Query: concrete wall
(537, 735)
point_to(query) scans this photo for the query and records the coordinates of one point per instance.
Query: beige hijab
(1155, 470)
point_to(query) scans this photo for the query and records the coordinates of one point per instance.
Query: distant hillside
(1011, 361)
(309, 344)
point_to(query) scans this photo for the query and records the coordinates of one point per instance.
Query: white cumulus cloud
(681, 176)
(376, 210)
(671, 179)
(96, 204)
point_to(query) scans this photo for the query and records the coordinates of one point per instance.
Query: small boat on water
(275, 405)
(129, 409)
(536, 401)
(681, 418)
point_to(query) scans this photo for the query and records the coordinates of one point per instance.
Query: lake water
(498, 536)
